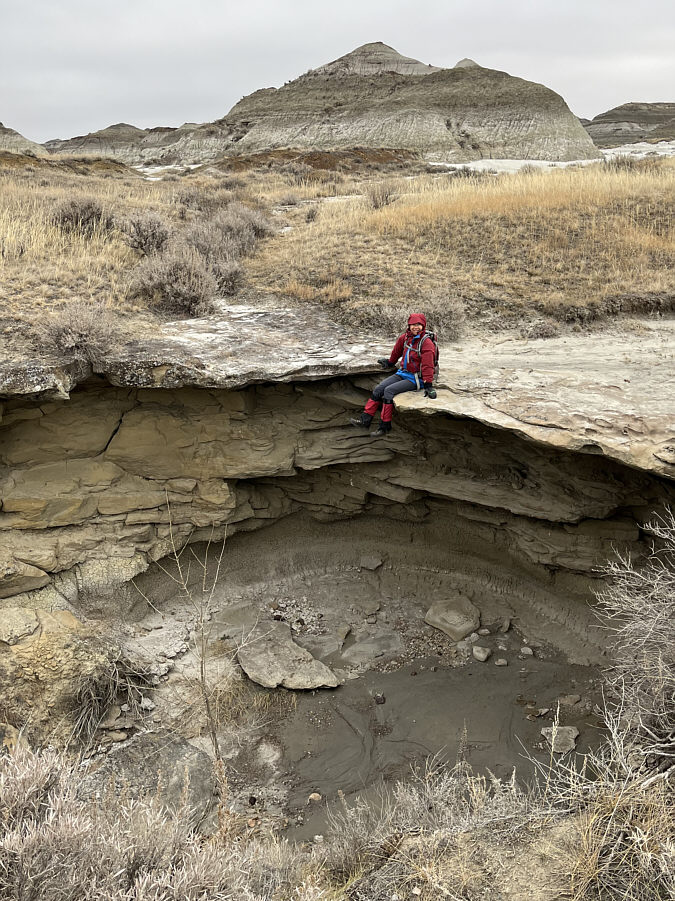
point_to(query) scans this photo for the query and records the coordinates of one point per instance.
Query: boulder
(271, 658)
(456, 616)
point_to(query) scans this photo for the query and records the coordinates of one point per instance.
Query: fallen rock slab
(271, 658)
(561, 739)
(457, 617)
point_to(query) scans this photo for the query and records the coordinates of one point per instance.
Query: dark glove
(384, 362)
(429, 390)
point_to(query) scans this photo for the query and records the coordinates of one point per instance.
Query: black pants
(391, 386)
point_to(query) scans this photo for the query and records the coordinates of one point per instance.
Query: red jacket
(417, 362)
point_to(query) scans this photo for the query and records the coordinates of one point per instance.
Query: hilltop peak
(466, 63)
(374, 59)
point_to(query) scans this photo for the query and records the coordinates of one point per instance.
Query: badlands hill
(375, 98)
(633, 122)
(14, 142)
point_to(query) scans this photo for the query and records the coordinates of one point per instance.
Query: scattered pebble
(480, 653)
(318, 839)
(483, 631)
(313, 798)
(379, 698)
(526, 652)
(501, 661)
(505, 624)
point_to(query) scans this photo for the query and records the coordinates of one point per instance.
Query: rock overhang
(582, 393)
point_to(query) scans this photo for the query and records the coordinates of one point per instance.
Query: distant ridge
(371, 98)
(633, 122)
(16, 143)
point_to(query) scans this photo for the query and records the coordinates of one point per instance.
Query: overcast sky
(68, 67)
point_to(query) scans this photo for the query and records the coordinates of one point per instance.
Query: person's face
(416, 328)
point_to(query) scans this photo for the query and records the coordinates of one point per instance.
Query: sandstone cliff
(14, 142)
(633, 122)
(374, 98)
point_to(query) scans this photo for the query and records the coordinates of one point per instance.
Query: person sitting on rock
(417, 353)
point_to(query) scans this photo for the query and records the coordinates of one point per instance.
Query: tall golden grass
(564, 238)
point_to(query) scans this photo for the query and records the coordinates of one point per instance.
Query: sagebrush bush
(83, 214)
(445, 316)
(228, 234)
(229, 276)
(147, 233)
(83, 330)
(176, 282)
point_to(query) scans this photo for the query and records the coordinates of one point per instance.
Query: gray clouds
(76, 66)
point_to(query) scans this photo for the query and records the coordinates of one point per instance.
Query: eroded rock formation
(16, 143)
(532, 467)
(633, 122)
(372, 97)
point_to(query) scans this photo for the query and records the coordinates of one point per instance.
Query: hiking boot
(383, 430)
(363, 422)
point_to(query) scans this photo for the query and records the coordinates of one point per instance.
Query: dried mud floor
(408, 692)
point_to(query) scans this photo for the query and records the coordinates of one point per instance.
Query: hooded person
(417, 354)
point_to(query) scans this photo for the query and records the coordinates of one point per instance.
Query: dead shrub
(146, 233)
(621, 795)
(381, 194)
(55, 846)
(83, 330)
(176, 282)
(639, 607)
(85, 215)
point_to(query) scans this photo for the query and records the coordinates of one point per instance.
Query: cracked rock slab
(271, 658)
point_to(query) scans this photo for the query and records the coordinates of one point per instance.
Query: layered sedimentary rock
(368, 99)
(372, 97)
(115, 477)
(633, 122)
(189, 143)
(16, 143)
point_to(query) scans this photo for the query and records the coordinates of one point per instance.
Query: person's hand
(384, 362)
(429, 390)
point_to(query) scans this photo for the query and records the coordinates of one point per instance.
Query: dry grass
(568, 245)
(575, 244)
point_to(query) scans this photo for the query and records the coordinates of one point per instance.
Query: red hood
(419, 318)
